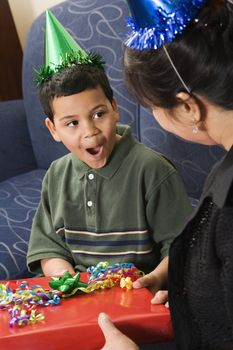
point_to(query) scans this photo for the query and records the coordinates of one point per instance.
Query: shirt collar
(119, 153)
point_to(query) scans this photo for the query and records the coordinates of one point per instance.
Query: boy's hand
(155, 281)
(114, 339)
(56, 267)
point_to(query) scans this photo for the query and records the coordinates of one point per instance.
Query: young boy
(111, 198)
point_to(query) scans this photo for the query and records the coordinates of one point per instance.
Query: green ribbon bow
(68, 285)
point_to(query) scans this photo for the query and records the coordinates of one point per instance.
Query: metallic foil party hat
(62, 51)
(157, 22)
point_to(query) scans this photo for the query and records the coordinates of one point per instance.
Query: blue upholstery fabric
(27, 148)
(19, 197)
(16, 156)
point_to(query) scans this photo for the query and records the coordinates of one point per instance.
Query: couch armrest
(16, 153)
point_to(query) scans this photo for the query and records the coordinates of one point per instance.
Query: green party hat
(62, 51)
(58, 42)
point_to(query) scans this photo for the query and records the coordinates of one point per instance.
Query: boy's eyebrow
(98, 106)
(66, 117)
(91, 111)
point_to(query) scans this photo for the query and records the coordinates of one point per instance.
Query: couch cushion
(16, 156)
(19, 198)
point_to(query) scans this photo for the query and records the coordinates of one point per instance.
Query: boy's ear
(115, 108)
(52, 129)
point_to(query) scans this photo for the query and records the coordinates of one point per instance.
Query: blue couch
(27, 149)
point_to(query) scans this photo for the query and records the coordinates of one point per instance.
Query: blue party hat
(157, 22)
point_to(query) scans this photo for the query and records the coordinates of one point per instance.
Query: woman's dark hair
(203, 56)
(73, 80)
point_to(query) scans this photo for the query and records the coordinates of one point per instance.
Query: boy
(111, 198)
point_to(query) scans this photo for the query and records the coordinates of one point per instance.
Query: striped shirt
(128, 211)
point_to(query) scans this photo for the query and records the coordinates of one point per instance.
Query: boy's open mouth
(95, 150)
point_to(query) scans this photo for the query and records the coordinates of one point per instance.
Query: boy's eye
(72, 123)
(97, 115)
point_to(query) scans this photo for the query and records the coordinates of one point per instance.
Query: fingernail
(154, 300)
(136, 284)
(102, 316)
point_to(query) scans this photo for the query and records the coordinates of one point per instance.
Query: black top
(201, 268)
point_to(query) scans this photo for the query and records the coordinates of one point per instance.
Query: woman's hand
(114, 339)
(161, 297)
(155, 281)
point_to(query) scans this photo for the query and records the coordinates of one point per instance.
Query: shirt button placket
(91, 193)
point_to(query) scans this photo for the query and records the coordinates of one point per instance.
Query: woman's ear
(189, 107)
(52, 129)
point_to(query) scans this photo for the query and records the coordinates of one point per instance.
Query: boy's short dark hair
(72, 80)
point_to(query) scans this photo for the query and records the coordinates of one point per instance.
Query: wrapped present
(72, 321)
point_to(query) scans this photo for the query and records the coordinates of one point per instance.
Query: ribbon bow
(67, 284)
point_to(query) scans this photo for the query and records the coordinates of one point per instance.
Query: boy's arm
(56, 267)
(47, 250)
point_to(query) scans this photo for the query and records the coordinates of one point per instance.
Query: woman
(186, 77)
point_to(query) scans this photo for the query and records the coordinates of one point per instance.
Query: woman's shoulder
(220, 179)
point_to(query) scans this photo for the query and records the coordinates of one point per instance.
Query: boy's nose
(90, 129)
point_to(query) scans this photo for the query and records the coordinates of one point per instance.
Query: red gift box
(73, 323)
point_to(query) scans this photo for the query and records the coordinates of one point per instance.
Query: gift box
(73, 323)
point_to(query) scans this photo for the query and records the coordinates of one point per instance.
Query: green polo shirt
(128, 211)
